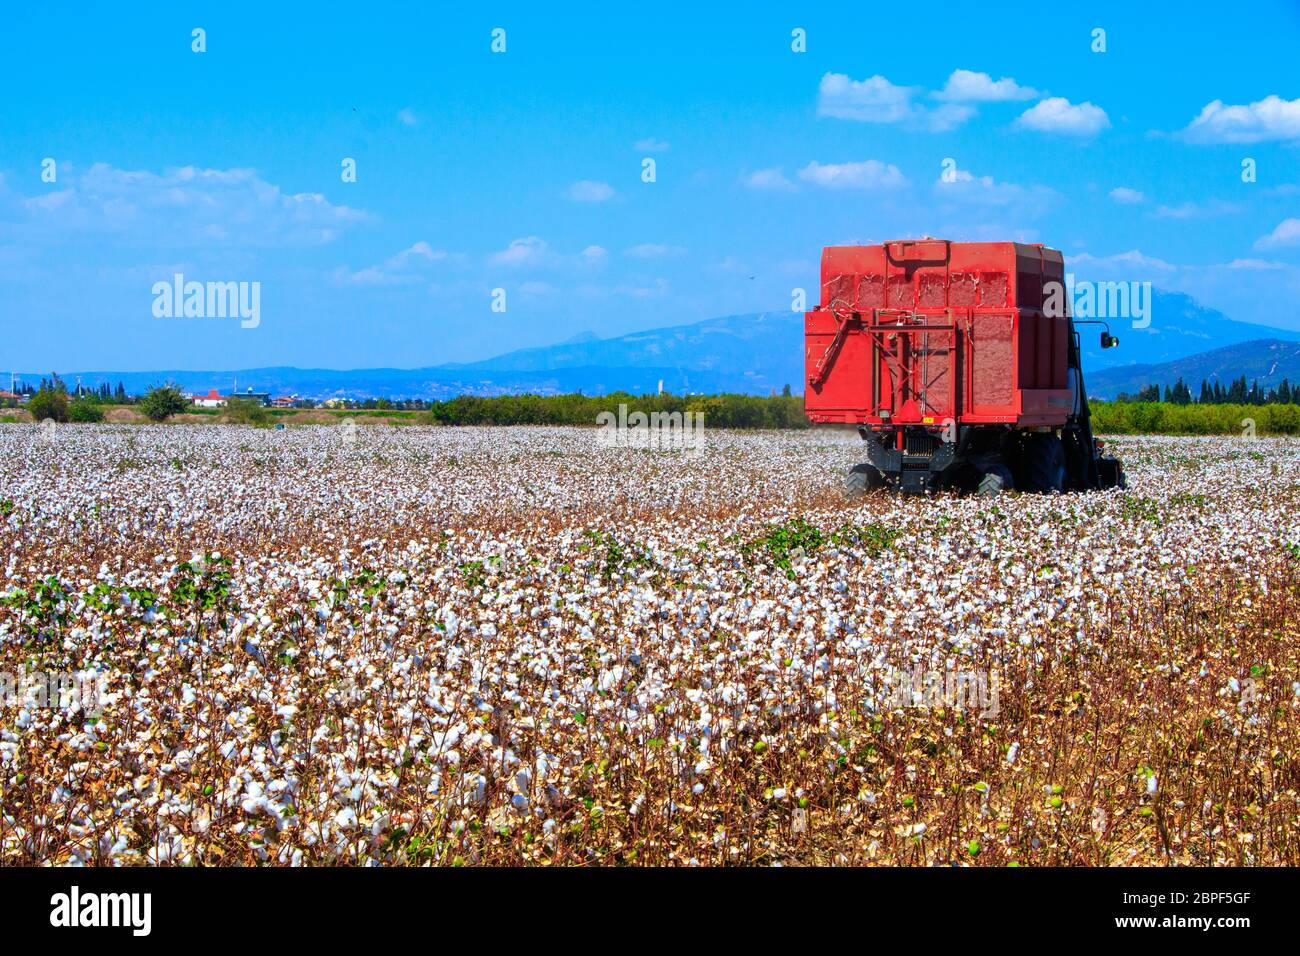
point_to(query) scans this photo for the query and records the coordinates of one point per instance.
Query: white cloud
(421, 250)
(871, 174)
(1257, 265)
(1271, 118)
(1121, 260)
(770, 180)
(1195, 210)
(528, 251)
(407, 117)
(1287, 233)
(650, 145)
(532, 252)
(587, 190)
(184, 206)
(967, 187)
(966, 86)
(1127, 197)
(402, 268)
(1058, 115)
(876, 100)
(946, 117)
(652, 250)
(733, 266)
(873, 100)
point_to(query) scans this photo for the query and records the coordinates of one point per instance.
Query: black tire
(996, 479)
(862, 479)
(1044, 463)
(1111, 473)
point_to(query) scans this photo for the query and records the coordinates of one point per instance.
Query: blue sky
(522, 170)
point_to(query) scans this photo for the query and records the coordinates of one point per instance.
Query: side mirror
(1108, 341)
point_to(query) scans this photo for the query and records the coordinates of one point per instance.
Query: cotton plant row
(404, 645)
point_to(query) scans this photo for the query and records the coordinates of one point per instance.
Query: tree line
(1236, 393)
(52, 400)
(1262, 412)
(720, 411)
(1173, 418)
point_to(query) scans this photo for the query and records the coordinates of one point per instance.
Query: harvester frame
(980, 389)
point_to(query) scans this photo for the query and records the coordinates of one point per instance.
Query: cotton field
(392, 645)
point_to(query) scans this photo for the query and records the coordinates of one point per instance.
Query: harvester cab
(960, 366)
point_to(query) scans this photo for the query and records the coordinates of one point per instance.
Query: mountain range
(1267, 361)
(754, 354)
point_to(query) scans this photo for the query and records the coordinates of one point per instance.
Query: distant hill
(739, 353)
(1179, 327)
(750, 351)
(753, 353)
(1266, 360)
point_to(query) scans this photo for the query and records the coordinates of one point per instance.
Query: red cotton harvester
(960, 365)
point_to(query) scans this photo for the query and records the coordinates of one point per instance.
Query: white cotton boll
(254, 804)
(1151, 783)
(1012, 751)
(345, 819)
(477, 789)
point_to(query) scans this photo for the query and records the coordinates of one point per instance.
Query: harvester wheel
(1044, 463)
(997, 479)
(1111, 473)
(863, 478)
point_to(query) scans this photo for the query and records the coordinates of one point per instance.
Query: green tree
(245, 412)
(51, 401)
(85, 409)
(163, 401)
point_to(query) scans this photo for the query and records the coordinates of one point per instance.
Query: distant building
(284, 401)
(210, 400)
(262, 398)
